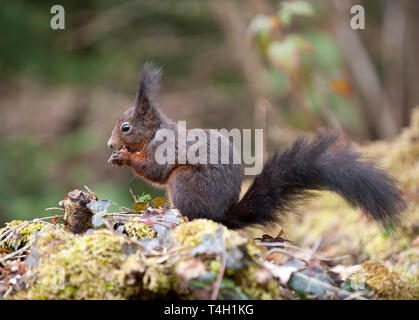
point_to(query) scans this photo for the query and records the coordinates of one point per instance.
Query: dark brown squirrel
(205, 190)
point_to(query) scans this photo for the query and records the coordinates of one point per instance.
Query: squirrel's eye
(126, 127)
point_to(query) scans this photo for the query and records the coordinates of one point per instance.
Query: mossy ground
(140, 263)
(78, 267)
(139, 230)
(386, 283)
(344, 230)
(20, 236)
(104, 264)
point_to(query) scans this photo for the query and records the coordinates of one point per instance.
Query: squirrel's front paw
(119, 158)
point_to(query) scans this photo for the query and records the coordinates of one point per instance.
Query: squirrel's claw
(117, 158)
(112, 162)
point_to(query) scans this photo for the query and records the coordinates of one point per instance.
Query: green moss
(386, 283)
(139, 230)
(409, 257)
(243, 273)
(400, 156)
(215, 265)
(247, 281)
(79, 267)
(190, 233)
(410, 274)
(153, 278)
(345, 230)
(21, 236)
(102, 265)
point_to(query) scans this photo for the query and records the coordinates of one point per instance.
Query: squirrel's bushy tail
(291, 174)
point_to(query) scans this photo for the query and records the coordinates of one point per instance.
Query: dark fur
(289, 175)
(212, 190)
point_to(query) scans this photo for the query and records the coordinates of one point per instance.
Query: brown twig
(306, 251)
(289, 254)
(220, 275)
(152, 251)
(314, 249)
(133, 195)
(124, 208)
(21, 250)
(364, 74)
(326, 285)
(9, 233)
(137, 215)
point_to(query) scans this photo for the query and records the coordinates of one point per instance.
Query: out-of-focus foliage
(62, 91)
(305, 64)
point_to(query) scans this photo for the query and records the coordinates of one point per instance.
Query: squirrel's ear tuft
(148, 85)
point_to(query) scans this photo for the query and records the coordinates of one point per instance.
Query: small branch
(333, 258)
(326, 285)
(289, 254)
(314, 249)
(280, 244)
(132, 195)
(358, 294)
(140, 216)
(5, 250)
(48, 218)
(306, 251)
(153, 252)
(54, 208)
(9, 233)
(124, 208)
(88, 190)
(123, 214)
(21, 250)
(220, 275)
(7, 292)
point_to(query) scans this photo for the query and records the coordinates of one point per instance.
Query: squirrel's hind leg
(204, 191)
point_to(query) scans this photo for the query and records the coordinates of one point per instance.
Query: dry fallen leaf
(190, 268)
(262, 276)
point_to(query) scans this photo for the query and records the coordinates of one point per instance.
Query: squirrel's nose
(110, 144)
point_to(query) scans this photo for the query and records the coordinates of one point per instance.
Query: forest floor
(96, 249)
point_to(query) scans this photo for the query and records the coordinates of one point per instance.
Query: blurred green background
(289, 67)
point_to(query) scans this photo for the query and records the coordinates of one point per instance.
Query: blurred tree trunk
(378, 109)
(392, 57)
(410, 8)
(387, 101)
(234, 29)
(400, 56)
(234, 23)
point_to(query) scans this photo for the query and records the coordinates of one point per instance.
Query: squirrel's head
(138, 123)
